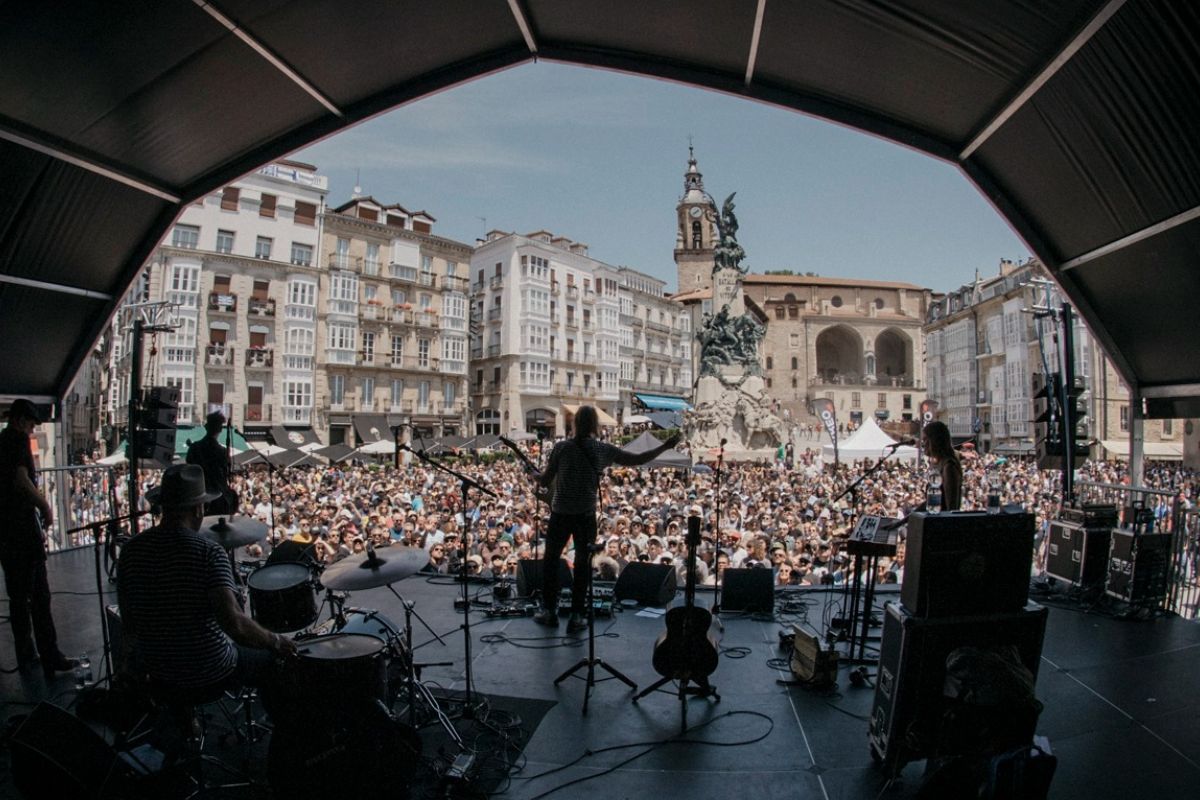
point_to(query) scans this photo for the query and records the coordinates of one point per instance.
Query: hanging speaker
(56, 755)
(646, 584)
(751, 590)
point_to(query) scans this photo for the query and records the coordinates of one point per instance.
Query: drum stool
(188, 712)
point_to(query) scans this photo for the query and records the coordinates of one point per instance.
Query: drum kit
(354, 665)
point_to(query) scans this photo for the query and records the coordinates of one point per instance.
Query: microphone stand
(716, 607)
(95, 528)
(465, 485)
(271, 468)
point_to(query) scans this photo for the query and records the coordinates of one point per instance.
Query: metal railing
(80, 495)
(1167, 515)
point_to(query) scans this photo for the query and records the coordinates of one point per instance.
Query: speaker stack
(966, 584)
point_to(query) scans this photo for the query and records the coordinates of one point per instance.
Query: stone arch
(893, 356)
(840, 354)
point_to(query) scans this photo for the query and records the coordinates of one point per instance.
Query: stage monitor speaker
(751, 590)
(909, 707)
(56, 755)
(967, 562)
(647, 584)
(1138, 566)
(529, 576)
(1077, 554)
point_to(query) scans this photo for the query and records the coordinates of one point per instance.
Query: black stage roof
(1077, 119)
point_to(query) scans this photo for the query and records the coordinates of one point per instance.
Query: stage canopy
(1076, 119)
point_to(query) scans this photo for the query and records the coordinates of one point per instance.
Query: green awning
(194, 433)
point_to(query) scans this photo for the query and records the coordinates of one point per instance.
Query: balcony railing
(426, 279)
(371, 311)
(496, 282)
(572, 292)
(587, 325)
(658, 326)
(493, 350)
(262, 308)
(256, 412)
(572, 324)
(425, 319)
(260, 357)
(854, 379)
(343, 261)
(307, 313)
(371, 267)
(495, 313)
(589, 295)
(219, 355)
(454, 283)
(225, 302)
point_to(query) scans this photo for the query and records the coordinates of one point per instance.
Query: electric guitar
(544, 494)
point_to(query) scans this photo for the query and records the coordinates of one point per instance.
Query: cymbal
(231, 533)
(391, 564)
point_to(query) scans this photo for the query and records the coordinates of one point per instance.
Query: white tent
(116, 458)
(383, 447)
(869, 441)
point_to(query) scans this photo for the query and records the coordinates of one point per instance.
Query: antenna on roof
(357, 185)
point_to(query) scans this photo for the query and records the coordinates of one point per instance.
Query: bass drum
(362, 753)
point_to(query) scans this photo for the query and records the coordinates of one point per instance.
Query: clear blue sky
(599, 157)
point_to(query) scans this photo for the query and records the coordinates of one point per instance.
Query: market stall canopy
(1154, 451)
(671, 458)
(661, 402)
(1075, 119)
(869, 441)
(335, 452)
(298, 438)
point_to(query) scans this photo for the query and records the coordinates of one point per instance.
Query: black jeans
(562, 527)
(29, 607)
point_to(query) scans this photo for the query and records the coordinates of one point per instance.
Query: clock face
(695, 212)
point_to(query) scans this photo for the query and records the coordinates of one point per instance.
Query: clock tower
(695, 235)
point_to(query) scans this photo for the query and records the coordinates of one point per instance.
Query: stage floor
(1122, 701)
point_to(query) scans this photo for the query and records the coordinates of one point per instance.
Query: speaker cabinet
(647, 584)
(909, 705)
(529, 576)
(1077, 554)
(1138, 566)
(967, 562)
(56, 755)
(750, 590)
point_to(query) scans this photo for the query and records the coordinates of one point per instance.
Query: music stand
(591, 662)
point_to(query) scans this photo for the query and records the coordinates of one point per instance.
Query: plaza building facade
(391, 325)
(557, 329)
(240, 267)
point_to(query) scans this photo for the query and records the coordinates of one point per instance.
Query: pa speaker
(56, 755)
(647, 584)
(529, 576)
(751, 590)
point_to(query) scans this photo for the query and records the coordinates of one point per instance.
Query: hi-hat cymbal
(232, 533)
(390, 564)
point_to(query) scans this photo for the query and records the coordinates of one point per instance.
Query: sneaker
(546, 617)
(576, 624)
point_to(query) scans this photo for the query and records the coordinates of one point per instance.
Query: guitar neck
(511, 445)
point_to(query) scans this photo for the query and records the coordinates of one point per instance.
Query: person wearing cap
(23, 545)
(181, 621)
(574, 469)
(212, 457)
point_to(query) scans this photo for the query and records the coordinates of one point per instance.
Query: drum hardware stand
(110, 526)
(591, 662)
(465, 485)
(718, 575)
(415, 686)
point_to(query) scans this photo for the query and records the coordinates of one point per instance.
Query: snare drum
(282, 597)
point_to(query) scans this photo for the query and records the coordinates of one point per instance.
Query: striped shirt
(575, 469)
(164, 577)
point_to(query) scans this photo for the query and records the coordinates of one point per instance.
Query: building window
(779, 312)
(423, 396)
(769, 382)
(262, 247)
(793, 312)
(793, 340)
(371, 265)
(337, 389)
(1125, 418)
(397, 350)
(1168, 427)
(795, 382)
(449, 388)
(224, 241)
(298, 394)
(267, 207)
(302, 254)
(856, 399)
(795, 363)
(907, 402)
(186, 236)
(368, 393)
(836, 301)
(423, 353)
(306, 213)
(770, 362)
(368, 347)
(882, 400)
(229, 198)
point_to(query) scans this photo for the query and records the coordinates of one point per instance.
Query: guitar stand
(701, 688)
(591, 662)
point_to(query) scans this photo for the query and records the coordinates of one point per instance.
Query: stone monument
(731, 403)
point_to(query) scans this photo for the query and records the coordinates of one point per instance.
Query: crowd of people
(786, 516)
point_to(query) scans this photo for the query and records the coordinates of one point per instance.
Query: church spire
(693, 181)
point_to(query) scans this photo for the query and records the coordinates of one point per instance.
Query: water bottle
(933, 493)
(83, 672)
(993, 497)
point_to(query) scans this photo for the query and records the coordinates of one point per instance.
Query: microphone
(904, 443)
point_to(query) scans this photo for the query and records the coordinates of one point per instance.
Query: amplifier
(1092, 515)
(1138, 566)
(967, 562)
(909, 705)
(1077, 554)
(810, 662)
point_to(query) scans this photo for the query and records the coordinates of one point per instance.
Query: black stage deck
(1122, 703)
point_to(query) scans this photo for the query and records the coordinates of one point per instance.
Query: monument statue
(731, 403)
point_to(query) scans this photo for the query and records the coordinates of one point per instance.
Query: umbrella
(286, 457)
(334, 452)
(384, 447)
(521, 436)
(308, 460)
(637, 419)
(666, 419)
(116, 457)
(701, 469)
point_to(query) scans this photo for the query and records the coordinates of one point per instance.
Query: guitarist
(574, 470)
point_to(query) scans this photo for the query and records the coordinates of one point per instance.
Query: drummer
(181, 622)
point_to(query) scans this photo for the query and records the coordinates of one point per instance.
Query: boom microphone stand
(716, 607)
(465, 485)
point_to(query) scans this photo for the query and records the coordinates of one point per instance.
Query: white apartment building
(241, 265)
(558, 329)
